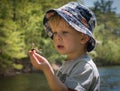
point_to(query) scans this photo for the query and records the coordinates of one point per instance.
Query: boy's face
(67, 40)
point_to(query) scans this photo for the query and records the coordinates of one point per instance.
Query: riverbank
(26, 67)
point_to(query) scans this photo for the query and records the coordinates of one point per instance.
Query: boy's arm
(54, 83)
(42, 64)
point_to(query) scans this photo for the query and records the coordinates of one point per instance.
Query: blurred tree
(104, 6)
(107, 32)
(21, 29)
(11, 41)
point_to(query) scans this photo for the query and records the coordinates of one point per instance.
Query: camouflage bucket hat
(77, 16)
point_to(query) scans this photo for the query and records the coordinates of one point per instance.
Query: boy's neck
(74, 56)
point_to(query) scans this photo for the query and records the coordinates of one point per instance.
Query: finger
(31, 52)
(36, 59)
(40, 58)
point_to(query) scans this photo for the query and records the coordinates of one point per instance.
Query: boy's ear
(84, 39)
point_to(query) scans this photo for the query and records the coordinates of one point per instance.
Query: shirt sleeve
(80, 78)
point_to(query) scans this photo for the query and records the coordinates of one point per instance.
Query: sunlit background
(21, 29)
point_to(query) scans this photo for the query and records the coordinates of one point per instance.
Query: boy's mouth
(60, 46)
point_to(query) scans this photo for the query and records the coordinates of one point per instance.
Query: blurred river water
(110, 78)
(110, 81)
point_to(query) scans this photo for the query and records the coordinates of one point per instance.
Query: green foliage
(103, 6)
(18, 66)
(13, 41)
(109, 52)
(21, 29)
(107, 34)
(108, 45)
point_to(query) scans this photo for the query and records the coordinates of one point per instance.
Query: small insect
(34, 47)
(37, 51)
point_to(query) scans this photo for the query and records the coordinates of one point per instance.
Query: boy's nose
(58, 37)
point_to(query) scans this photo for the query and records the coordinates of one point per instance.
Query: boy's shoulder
(79, 63)
(80, 60)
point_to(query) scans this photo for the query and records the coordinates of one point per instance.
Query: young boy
(70, 27)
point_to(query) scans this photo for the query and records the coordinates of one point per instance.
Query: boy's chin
(62, 53)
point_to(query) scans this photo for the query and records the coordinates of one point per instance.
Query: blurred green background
(21, 29)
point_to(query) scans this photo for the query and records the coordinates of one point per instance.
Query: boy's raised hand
(38, 61)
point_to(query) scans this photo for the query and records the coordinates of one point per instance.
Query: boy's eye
(64, 32)
(54, 33)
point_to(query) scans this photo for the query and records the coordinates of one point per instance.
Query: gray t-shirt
(80, 74)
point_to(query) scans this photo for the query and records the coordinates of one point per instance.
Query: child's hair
(55, 19)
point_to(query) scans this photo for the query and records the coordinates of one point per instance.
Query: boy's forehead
(56, 22)
(63, 26)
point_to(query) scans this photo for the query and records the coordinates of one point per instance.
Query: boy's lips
(60, 46)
